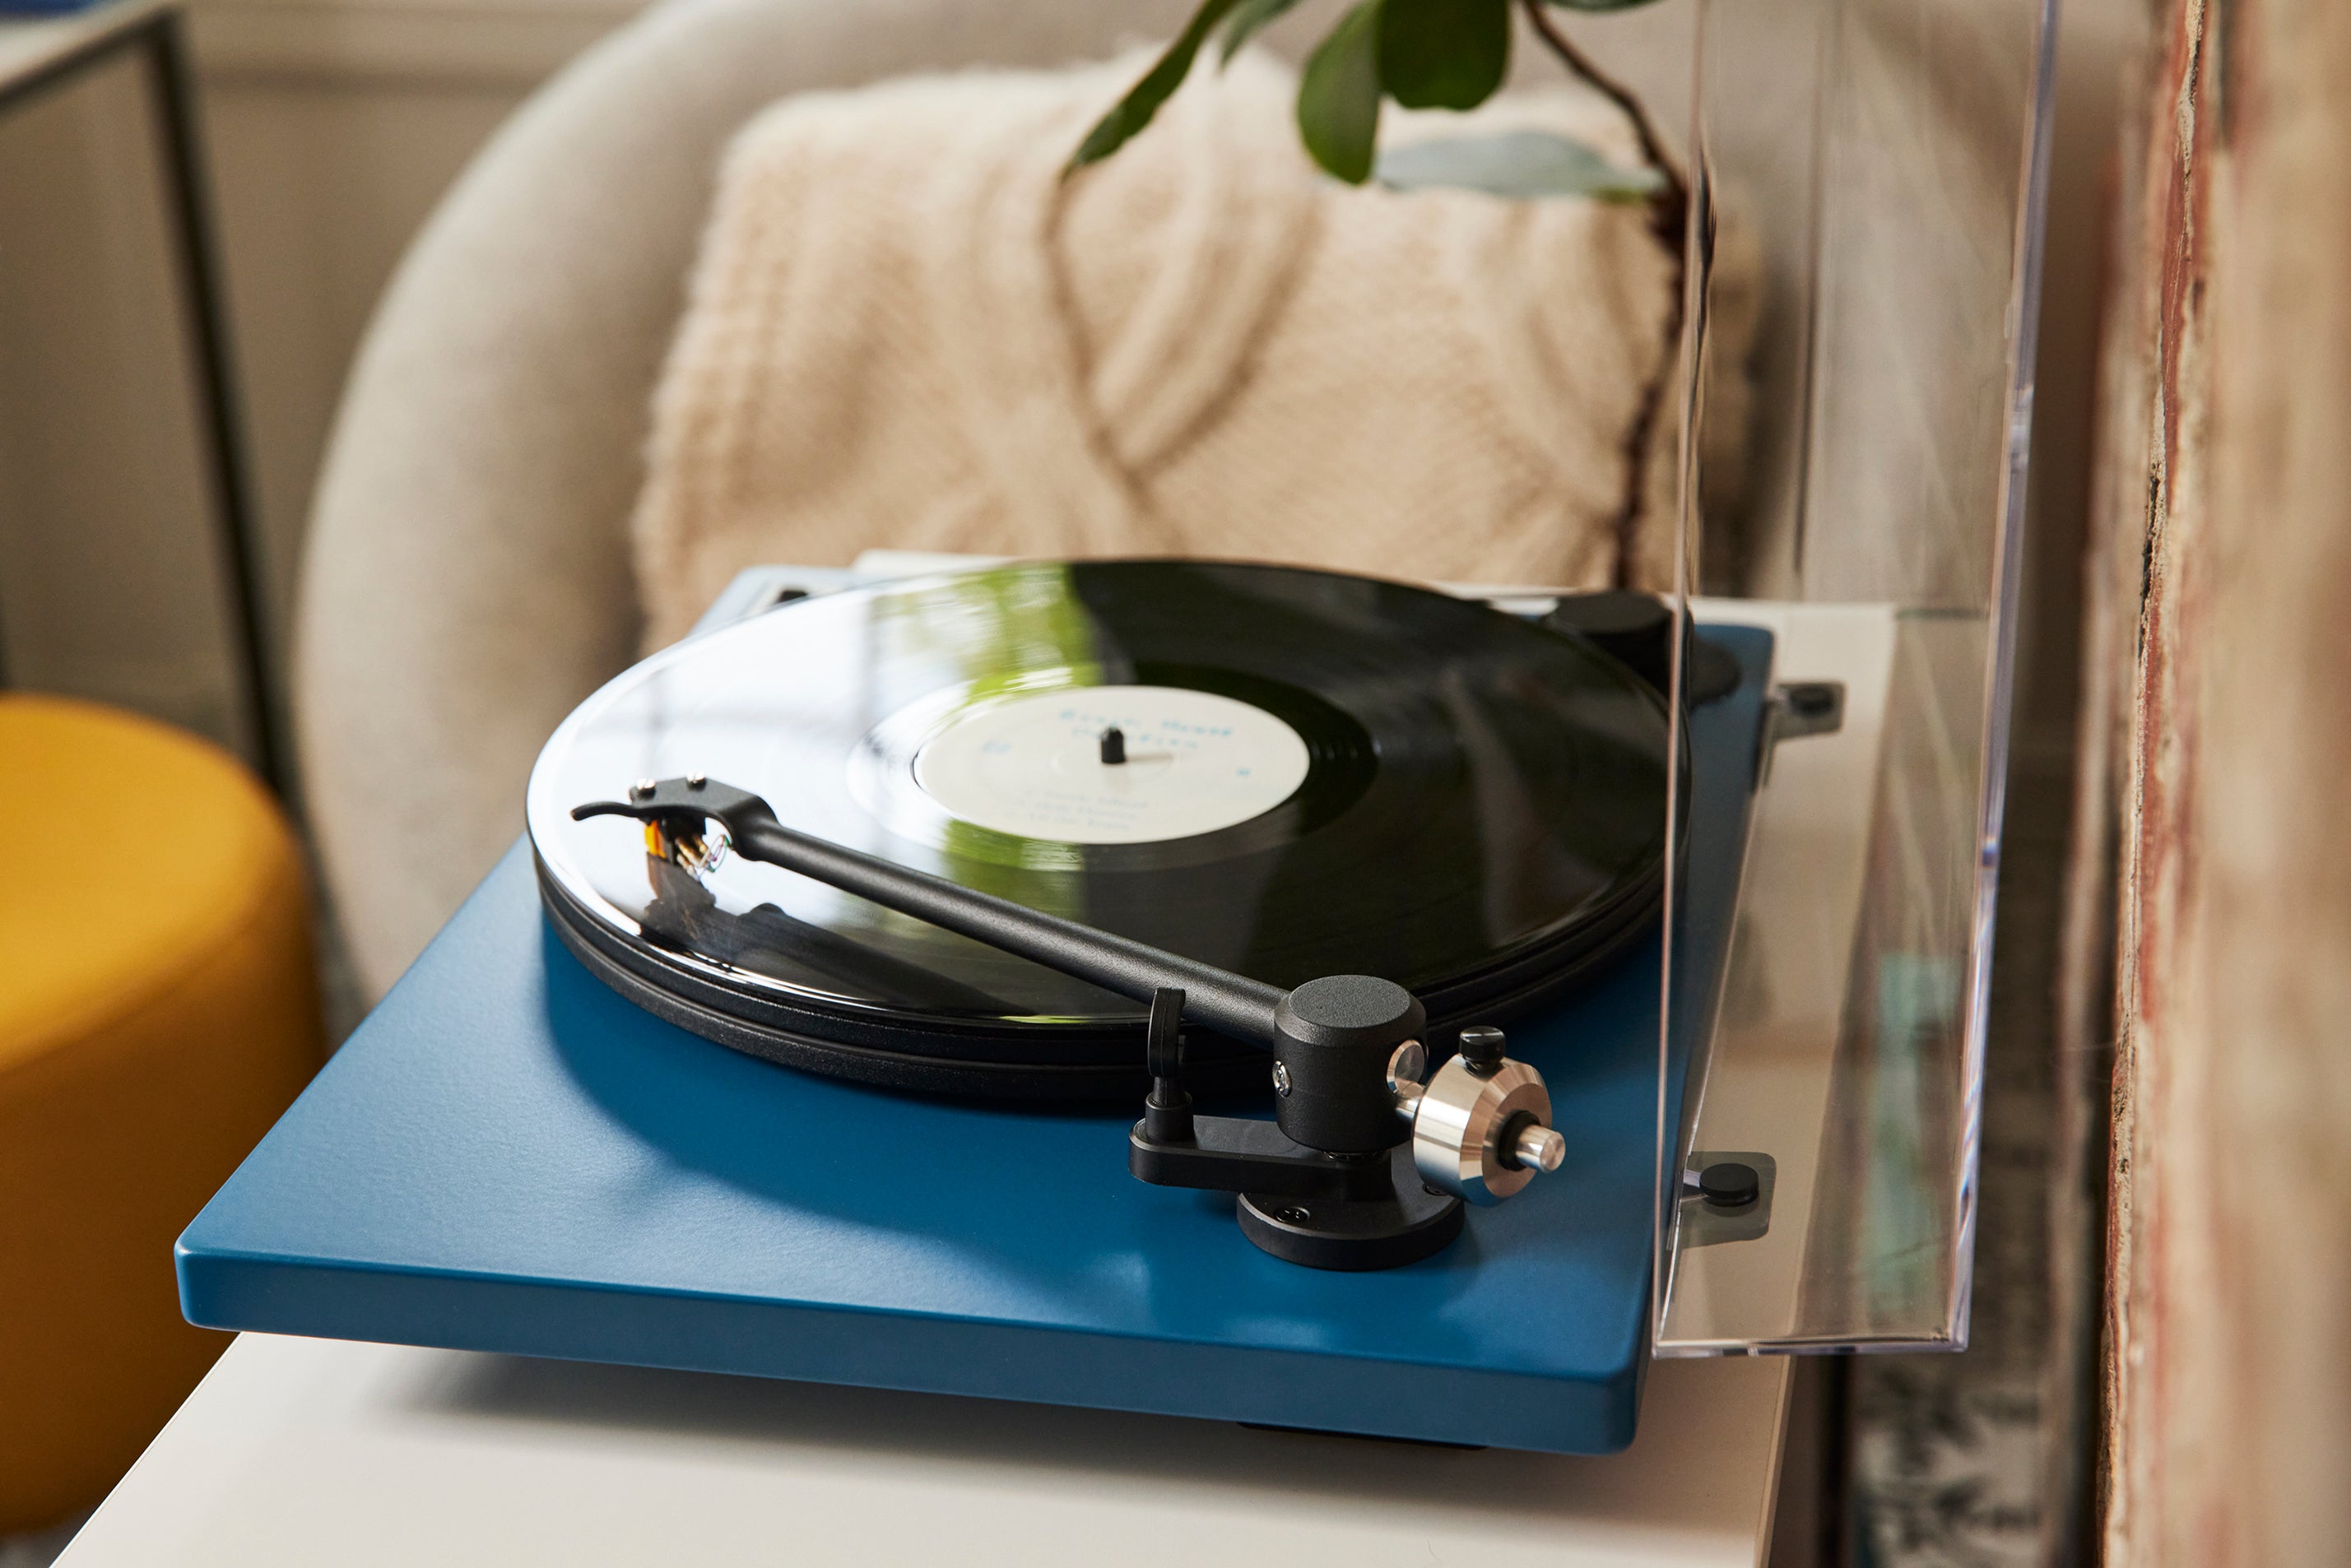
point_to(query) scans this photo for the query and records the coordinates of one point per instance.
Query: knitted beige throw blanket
(908, 329)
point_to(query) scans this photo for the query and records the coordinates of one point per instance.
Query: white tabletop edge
(309, 1451)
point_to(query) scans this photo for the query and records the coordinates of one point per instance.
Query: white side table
(303, 1452)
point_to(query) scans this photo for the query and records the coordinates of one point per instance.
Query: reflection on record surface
(1310, 774)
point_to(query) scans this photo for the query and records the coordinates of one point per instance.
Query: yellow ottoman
(158, 1010)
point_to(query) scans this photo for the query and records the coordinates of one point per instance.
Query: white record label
(1032, 766)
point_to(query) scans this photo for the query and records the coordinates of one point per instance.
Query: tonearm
(1370, 1155)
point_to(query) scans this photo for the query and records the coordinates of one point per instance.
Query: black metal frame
(156, 33)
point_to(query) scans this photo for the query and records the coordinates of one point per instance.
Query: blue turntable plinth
(509, 1157)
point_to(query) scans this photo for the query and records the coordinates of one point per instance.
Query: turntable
(912, 983)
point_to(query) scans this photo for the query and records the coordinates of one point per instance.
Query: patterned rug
(1949, 1462)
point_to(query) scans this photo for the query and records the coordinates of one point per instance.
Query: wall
(2222, 565)
(334, 126)
(111, 585)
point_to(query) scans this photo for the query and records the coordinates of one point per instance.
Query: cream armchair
(467, 580)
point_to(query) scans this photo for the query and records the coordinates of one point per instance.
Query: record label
(1194, 761)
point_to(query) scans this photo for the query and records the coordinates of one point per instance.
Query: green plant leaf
(1339, 96)
(1444, 53)
(1517, 163)
(1250, 16)
(1133, 111)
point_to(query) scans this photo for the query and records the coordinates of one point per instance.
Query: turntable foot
(1356, 1236)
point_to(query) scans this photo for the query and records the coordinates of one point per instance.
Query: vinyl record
(1321, 775)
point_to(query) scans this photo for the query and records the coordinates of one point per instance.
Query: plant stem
(1674, 200)
(1668, 218)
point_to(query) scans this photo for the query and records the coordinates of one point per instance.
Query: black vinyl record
(1322, 775)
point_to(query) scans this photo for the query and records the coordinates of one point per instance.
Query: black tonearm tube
(1365, 1165)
